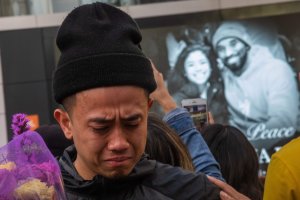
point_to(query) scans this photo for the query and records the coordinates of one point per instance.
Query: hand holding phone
(198, 109)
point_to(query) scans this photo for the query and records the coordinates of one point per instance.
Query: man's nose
(118, 141)
(228, 52)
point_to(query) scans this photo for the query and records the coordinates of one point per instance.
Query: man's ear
(64, 121)
(150, 103)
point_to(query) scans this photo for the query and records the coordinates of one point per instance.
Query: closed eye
(132, 121)
(100, 130)
(132, 124)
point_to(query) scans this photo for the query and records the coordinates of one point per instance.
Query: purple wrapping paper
(26, 159)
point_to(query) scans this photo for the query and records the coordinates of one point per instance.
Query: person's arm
(180, 120)
(177, 183)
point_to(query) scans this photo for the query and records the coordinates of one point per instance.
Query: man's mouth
(118, 161)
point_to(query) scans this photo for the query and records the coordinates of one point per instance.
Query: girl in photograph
(195, 75)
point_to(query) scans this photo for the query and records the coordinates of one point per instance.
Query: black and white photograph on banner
(247, 70)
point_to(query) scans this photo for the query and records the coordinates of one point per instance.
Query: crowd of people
(115, 148)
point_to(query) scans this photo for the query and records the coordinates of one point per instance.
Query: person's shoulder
(288, 155)
(291, 148)
(263, 54)
(157, 171)
(180, 183)
(272, 62)
(177, 173)
(264, 63)
(149, 194)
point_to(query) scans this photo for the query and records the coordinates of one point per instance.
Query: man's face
(233, 53)
(109, 129)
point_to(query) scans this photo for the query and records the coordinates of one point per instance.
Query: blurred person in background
(164, 144)
(283, 175)
(237, 158)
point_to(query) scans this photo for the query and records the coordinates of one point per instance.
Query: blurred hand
(228, 192)
(161, 94)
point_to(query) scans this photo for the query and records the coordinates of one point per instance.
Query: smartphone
(198, 109)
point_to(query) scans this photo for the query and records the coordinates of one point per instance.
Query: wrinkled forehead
(103, 96)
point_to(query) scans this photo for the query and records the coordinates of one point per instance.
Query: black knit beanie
(100, 46)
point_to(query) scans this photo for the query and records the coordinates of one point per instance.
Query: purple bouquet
(28, 170)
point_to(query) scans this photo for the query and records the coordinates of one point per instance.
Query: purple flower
(19, 124)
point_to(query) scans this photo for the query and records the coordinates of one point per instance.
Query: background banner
(246, 69)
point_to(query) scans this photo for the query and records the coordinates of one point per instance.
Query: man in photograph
(260, 89)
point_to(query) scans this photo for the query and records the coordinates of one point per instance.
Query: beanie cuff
(102, 71)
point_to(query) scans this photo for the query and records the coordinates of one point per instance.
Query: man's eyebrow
(132, 117)
(107, 120)
(100, 120)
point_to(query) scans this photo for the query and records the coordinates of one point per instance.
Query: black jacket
(148, 180)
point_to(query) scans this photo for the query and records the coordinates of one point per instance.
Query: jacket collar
(73, 180)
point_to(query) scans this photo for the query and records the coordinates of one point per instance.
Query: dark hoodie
(148, 180)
